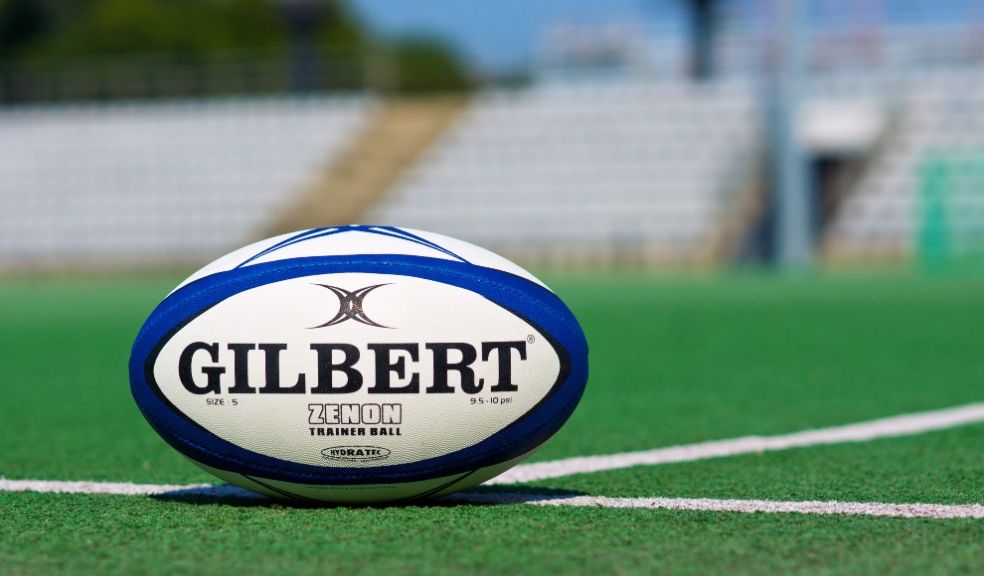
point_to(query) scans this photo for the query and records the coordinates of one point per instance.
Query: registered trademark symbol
(531, 338)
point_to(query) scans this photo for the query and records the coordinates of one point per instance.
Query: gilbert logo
(350, 306)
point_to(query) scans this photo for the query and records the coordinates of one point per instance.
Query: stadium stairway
(346, 185)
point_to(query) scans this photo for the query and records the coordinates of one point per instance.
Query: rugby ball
(359, 364)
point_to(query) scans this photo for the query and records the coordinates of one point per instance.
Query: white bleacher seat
(940, 116)
(157, 182)
(604, 168)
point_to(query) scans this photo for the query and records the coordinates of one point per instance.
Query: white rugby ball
(359, 364)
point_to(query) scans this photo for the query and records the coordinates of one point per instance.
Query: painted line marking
(904, 425)
(116, 488)
(894, 426)
(941, 511)
(915, 510)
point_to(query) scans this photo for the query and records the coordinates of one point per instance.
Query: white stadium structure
(628, 169)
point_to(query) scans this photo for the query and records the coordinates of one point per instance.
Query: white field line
(860, 432)
(117, 488)
(904, 425)
(748, 506)
(937, 511)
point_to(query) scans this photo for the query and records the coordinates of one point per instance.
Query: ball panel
(365, 493)
(362, 240)
(440, 418)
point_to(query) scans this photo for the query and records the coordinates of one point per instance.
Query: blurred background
(642, 134)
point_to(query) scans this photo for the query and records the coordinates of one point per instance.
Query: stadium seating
(154, 183)
(599, 171)
(563, 172)
(940, 118)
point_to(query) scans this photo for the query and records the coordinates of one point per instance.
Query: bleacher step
(387, 147)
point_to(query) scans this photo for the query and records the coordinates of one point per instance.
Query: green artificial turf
(940, 467)
(126, 535)
(672, 361)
